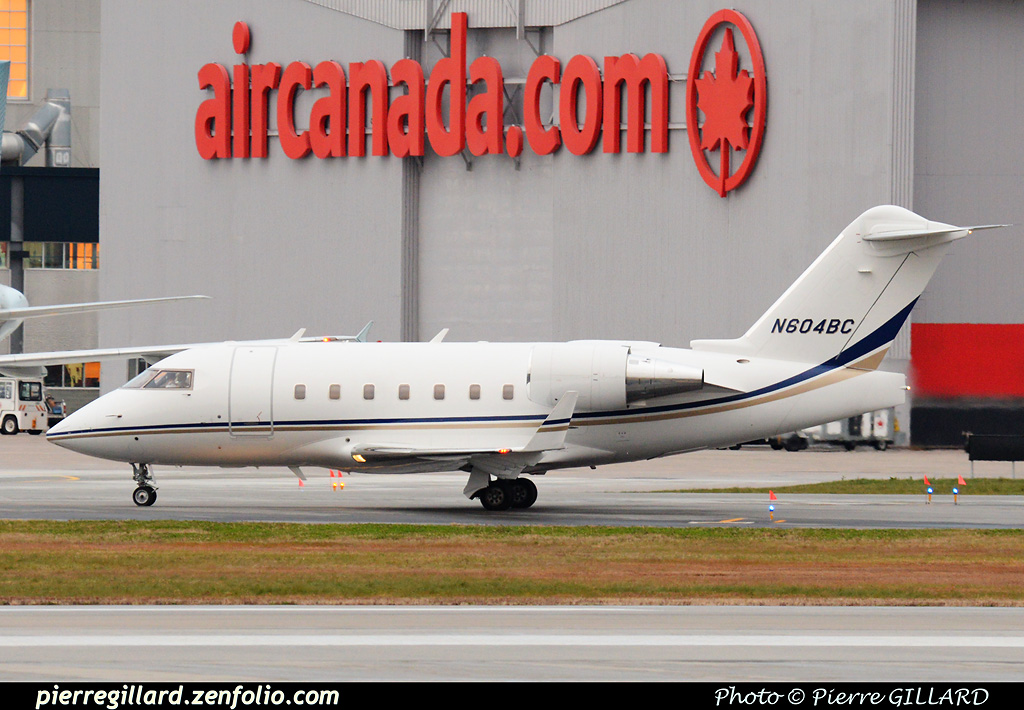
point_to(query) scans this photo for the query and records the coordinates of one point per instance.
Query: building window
(335, 392)
(14, 45)
(78, 375)
(403, 391)
(57, 255)
(367, 391)
(438, 391)
(300, 391)
(474, 391)
(508, 392)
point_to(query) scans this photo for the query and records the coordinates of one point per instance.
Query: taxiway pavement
(38, 480)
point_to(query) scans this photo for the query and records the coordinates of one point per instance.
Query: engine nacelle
(605, 375)
(647, 378)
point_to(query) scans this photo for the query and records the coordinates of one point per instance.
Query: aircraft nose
(74, 428)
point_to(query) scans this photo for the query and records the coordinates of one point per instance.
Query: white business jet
(501, 410)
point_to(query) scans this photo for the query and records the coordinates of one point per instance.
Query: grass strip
(169, 562)
(890, 486)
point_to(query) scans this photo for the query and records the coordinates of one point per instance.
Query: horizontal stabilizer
(883, 235)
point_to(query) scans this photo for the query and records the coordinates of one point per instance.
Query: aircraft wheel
(10, 426)
(497, 496)
(144, 496)
(524, 493)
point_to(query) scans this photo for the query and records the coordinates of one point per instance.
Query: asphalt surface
(718, 644)
(39, 480)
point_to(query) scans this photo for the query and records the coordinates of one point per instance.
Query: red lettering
(327, 119)
(241, 112)
(264, 78)
(581, 71)
(634, 73)
(450, 72)
(483, 139)
(405, 116)
(213, 118)
(234, 120)
(370, 77)
(297, 75)
(544, 141)
(514, 141)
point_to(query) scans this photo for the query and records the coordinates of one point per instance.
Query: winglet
(364, 333)
(440, 336)
(551, 434)
(298, 335)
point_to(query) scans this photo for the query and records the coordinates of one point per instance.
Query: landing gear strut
(145, 494)
(504, 494)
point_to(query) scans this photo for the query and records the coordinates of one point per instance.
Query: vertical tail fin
(850, 303)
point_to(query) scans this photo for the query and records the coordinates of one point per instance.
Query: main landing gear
(145, 494)
(503, 494)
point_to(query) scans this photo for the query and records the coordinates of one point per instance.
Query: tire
(794, 444)
(849, 445)
(35, 432)
(497, 496)
(775, 444)
(10, 426)
(881, 444)
(144, 496)
(524, 493)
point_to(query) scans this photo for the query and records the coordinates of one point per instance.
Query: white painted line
(829, 640)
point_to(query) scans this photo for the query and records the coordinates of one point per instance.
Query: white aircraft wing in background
(8, 314)
(34, 364)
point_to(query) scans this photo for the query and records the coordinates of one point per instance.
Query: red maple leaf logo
(725, 97)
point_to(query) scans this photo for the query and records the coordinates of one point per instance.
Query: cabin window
(508, 392)
(474, 391)
(335, 392)
(300, 391)
(367, 391)
(438, 391)
(403, 391)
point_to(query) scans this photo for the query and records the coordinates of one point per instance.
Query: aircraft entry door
(251, 391)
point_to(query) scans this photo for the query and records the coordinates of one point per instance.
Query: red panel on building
(968, 359)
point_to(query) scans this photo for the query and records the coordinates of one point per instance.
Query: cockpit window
(170, 380)
(161, 380)
(140, 379)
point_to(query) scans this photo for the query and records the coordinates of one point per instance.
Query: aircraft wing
(504, 462)
(33, 364)
(66, 308)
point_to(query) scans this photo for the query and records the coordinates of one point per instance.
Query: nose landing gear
(145, 494)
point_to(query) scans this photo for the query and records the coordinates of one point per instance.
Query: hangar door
(251, 391)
